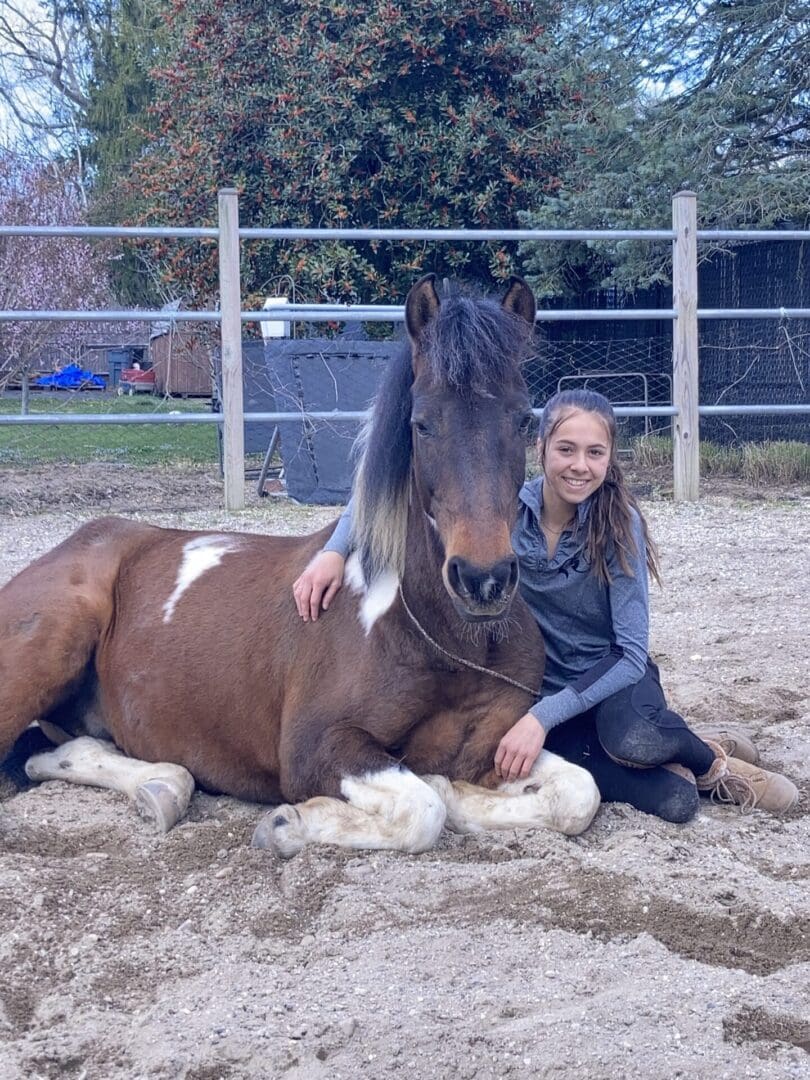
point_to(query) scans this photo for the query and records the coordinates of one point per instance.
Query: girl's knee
(634, 741)
(679, 802)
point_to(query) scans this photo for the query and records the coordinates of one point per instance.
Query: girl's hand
(316, 587)
(519, 748)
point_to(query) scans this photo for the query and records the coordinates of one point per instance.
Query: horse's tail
(52, 616)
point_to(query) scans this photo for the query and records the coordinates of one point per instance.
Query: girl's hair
(609, 517)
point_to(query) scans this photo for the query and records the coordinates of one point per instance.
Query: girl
(585, 555)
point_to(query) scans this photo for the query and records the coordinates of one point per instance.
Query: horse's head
(470, 417)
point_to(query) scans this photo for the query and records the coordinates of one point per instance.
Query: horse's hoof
(160, 803)
(280, 831)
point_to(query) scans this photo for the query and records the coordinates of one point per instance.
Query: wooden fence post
(685, 385)
(230, 306)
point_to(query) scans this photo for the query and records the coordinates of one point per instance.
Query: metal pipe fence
(684, 315)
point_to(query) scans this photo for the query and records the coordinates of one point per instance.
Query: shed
(180, 356)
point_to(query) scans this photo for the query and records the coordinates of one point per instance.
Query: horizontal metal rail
(125, 232)
(389, 313)
(753, 234)
(134, 232)
(125, 419)
(313, 313)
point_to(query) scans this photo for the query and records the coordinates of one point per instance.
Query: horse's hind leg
(557, 795)
(389, 808)
(51, 618)
(161, 791)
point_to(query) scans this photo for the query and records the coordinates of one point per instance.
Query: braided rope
(460, 659)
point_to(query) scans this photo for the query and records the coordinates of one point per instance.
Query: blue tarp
(71, 377)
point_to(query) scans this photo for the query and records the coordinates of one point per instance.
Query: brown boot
(751, 786)
(718, 771)
(680, 770)
(733, 741)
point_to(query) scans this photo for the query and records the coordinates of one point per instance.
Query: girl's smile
(576, 455)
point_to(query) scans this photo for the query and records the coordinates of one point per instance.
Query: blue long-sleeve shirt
(596, 635)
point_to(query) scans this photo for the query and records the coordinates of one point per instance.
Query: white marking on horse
(557, 795)
(375, 600)
(160, 790)
(410, 813)
(488, 588)
(389, 809)
(200, 554)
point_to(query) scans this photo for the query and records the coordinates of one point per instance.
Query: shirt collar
(531, 495)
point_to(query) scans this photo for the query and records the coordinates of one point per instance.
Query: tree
(708, 95)
(333, 112)
(46, 49)
(59, 273)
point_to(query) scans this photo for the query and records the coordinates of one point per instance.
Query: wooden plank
(230, 304)
(685, 426)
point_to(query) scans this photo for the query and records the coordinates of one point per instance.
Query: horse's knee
(413, 810)
(579, 800)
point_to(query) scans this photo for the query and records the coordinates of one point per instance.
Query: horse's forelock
(474, 344)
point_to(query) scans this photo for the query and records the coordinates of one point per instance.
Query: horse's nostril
(486, 586)
(454, 576)
(513, 572)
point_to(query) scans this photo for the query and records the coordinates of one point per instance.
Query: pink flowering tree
(53, 273)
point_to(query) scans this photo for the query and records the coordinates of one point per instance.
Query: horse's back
(197, 667)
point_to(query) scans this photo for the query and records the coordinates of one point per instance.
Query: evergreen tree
(333, 112)
(711, 96)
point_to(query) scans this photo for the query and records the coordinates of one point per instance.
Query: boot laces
(735, 789)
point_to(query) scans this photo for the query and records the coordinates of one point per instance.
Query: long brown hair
(609, 517)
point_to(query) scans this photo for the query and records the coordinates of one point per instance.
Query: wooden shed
(181, 359)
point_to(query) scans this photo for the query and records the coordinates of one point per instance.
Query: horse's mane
(472, 345)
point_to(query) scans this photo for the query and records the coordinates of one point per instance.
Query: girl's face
(575, 457)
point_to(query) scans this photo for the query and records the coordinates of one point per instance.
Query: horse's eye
(421, 429)
(526, 423)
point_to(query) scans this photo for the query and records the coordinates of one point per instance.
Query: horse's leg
(161, 791)
(557, 795)
(389, 808)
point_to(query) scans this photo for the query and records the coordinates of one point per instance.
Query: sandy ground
(639, 949)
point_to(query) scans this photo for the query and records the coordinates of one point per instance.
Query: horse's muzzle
(481, 593)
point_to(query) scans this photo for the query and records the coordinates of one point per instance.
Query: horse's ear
(421, 306)
(520, 300)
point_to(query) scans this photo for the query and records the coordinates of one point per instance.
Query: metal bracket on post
(685, 372)
(230, 306)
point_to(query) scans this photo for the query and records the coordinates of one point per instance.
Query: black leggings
(635, 725)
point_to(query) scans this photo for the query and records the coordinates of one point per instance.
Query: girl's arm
(627, 660)
(624, 665)
(323, 577)
(340, 540)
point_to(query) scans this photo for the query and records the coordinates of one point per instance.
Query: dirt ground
(639, 949)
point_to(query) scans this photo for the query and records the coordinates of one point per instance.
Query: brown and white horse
(186, 648)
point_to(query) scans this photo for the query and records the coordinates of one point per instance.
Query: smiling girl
(585, 555)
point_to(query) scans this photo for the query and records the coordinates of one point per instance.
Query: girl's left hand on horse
(519, 748)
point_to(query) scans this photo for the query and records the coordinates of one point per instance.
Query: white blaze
(200, 554)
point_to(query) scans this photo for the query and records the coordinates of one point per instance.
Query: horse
(160, 659)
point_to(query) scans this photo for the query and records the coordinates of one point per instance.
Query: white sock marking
(200, 554)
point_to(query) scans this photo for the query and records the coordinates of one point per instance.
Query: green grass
(129, 445)
(758, 463)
